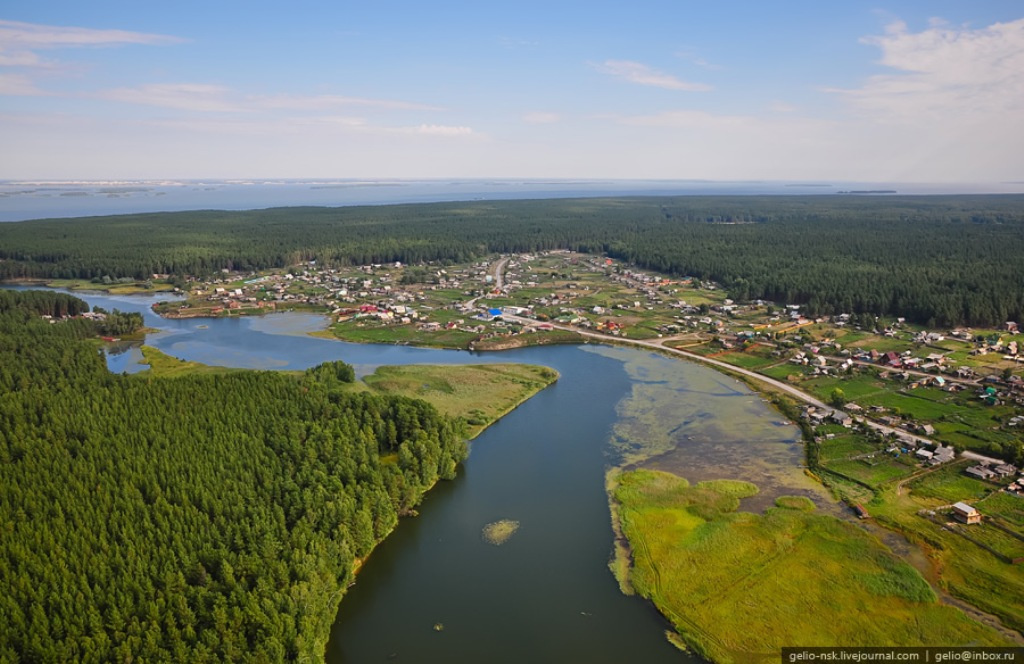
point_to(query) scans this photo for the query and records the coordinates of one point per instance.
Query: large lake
(546, 595)
(36, 200)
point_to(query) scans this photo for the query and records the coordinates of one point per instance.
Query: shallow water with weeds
(703, 425)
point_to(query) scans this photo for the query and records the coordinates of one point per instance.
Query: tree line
(200, 518)
(944, 260)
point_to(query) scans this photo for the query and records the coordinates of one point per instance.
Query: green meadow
(959, 565)
(739, 586)
(165, 366)
(478, 393)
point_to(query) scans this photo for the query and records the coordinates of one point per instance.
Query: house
(964, 513)
(841, 418)
(1005, 470)
(924, 454)
(943, 455)
(981, 472)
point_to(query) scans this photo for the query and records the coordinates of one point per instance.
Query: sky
(886, 91)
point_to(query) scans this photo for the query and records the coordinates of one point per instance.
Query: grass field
(784, 371)
(919, 408)
(951, 485)
(113, 289)
(401, 334)
(998, 540)
(748, 360)
(164, 366)
(962, 567)
(855, 387)
(738, 586)
(478, 393)
(1008, 507)
(873, 472)
(844, 447)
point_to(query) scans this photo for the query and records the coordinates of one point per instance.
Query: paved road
(657, 345)
(979, 457)
(777, 384)
(499, 273)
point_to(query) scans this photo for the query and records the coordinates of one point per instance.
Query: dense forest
(194, 519)
(943, 260)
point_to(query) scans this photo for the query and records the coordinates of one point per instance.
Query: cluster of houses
(938, 456)
(991, 472)
(819, 416)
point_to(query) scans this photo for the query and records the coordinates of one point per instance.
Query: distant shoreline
(47, 199)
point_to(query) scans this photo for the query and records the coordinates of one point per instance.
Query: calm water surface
(546, 595)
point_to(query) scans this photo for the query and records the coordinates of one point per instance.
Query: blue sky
(924, 91)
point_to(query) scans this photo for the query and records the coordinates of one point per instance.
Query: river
(435, 590)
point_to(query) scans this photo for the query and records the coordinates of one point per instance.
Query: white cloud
(327, 102)
(32, 35)
(214, 98)
(20, 41)
(435, 130)
(312, 126)
(695, 59)
(641, 74)
(181, 96)
(946, 74)
(541, 117)
(18, 85)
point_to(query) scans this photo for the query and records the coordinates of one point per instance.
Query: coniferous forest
(940, 260)
(218, 517)
(201, 518)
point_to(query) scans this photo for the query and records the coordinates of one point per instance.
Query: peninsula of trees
(197, 518)
(938, 260)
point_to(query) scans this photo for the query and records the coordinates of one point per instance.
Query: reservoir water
(435, 590)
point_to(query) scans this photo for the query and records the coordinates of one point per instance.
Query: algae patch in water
(497, 533)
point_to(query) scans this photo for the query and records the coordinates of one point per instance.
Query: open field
(960, 566)
(738, 586)
(951, 485)
(478, 393)
(401, 334)
(129, 287)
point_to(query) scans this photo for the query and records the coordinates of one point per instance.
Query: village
(946, 398)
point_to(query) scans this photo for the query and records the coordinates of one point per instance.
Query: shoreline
(765, 386)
